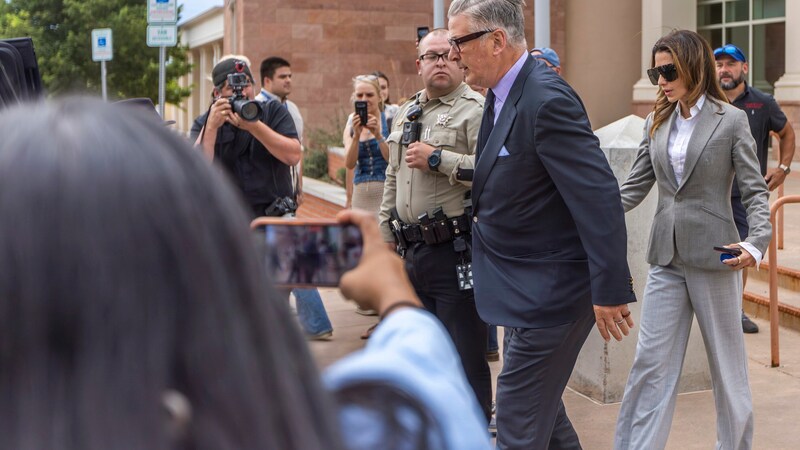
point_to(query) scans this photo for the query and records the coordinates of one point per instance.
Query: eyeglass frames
(456, 42)
(433, 58)
(668, 71)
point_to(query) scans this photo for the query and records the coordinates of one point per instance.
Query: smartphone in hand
(728, 253)
(422, 32)
(307, 253)
(361, 111)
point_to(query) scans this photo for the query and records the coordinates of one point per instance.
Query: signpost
(102, 50)
(162, 32)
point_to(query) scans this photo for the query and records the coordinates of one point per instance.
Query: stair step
(787, 277)
(756, 303)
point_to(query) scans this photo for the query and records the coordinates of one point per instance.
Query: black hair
(402, 420)
(127, 269)
(270, 65)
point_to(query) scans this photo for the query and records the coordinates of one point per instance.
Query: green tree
(61, 32)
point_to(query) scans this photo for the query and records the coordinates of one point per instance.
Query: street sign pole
(103, 80)
(162, 79)
(102, 51)
(162, 32)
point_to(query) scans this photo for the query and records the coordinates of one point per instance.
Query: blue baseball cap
(547, 54)
(732, 51)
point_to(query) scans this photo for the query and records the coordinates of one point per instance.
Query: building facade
(604, 45)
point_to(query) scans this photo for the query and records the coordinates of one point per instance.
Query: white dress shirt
(679, 136)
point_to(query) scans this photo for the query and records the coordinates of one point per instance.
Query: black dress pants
(432, 270)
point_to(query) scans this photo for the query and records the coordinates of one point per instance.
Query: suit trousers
(432, 271)
(672, 295)
(537, 365)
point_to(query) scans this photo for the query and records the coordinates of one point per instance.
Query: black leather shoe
(748, 326)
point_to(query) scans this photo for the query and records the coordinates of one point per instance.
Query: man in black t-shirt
(258, 154)
(765, 117)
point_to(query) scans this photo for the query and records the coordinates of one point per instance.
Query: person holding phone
(366, 150)
(154, 326)
(694, 143)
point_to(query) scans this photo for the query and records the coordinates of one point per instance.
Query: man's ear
(499, 41)
(745, 68)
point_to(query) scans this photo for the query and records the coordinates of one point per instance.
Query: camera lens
(250, 111)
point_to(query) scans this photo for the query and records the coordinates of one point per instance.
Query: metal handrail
(779, 231)
(773, 278)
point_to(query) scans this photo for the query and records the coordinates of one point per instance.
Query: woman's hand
(741, 261)
(372, 125)
(357, 126)
(379, 280)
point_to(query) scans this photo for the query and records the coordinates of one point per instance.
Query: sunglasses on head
(668, 71)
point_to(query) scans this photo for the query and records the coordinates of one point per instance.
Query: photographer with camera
(426, 209)
(256, 142)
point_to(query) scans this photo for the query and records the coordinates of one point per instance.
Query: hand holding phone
(302, 253)
(728, 252)
(361, 111)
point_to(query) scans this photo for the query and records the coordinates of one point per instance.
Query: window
(758, 27)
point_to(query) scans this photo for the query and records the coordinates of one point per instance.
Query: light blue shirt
(411, 351)
(503, 87)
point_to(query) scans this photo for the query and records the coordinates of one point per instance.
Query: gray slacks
(536, 367)
(672, 295)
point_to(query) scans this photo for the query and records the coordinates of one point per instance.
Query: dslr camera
(412, 129)
(282, 206)
(249, 110)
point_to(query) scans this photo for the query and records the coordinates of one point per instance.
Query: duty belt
(436, 231)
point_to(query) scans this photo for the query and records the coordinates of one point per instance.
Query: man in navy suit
(549, 238)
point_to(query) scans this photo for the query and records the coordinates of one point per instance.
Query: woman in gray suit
(693, 145)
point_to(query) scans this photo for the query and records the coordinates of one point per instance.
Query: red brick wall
(316, 208)
(330, 41)
(335, 162)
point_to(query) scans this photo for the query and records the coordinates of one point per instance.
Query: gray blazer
(696, 215)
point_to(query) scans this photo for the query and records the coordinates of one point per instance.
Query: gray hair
(492, 14)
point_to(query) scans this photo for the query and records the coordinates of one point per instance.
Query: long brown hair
(694, 62)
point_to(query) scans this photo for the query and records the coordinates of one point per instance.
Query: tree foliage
(61, 32)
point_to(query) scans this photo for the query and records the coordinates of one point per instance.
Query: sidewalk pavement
(776, 391)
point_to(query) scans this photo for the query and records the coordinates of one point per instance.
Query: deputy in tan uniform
(431, 157)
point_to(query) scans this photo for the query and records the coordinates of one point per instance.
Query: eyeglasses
(456, 42)
(731, 50)
(668, 71)
(433, 58)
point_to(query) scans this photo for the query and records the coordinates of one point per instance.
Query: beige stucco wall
(604, 46)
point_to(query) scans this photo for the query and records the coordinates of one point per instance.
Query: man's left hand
(417, 155)
(775, 178)
(613, 321)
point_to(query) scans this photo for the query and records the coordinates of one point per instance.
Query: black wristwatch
(434, 160)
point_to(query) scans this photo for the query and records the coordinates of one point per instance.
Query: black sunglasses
(456, 42)
(668, 71)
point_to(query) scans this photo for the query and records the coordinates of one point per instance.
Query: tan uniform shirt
(450, 123)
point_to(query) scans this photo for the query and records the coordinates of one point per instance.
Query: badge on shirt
(442, 119)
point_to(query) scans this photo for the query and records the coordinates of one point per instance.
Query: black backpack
(19, 72)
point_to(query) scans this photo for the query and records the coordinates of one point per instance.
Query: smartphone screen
(302, 254)
(421, 32)
(361, 110)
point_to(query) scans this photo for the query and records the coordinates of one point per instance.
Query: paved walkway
(776, 391)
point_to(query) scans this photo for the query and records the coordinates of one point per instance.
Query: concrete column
(438, 14)
(602, 368)
(787, 88)
(541, 16)
(658, 18)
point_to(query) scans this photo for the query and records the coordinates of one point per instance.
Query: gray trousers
(536, 367)
(672, 295)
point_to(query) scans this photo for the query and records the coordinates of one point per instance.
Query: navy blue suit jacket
(549, 236)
